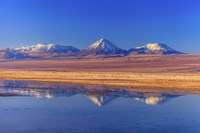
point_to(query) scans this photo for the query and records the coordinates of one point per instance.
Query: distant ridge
(154, 48)
(10, 54)
(47, 50)
(47, 47)
(102, 47)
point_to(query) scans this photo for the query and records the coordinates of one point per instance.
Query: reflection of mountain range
(98, 95)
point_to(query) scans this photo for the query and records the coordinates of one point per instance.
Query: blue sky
(127, 23)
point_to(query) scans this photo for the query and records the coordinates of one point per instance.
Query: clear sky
(127, 23)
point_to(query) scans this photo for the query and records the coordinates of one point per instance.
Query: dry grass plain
(156, 71)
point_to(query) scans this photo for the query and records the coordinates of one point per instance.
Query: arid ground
(135, 63)
(149, 71)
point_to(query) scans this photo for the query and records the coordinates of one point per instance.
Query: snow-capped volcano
(103, 47)
(49, 48)
(154, 48)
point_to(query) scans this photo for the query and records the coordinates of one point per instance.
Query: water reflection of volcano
(101, 100)
(100, 96)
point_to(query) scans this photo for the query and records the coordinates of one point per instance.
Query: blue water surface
(52, 108)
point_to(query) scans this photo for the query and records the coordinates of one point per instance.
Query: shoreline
(169, 81)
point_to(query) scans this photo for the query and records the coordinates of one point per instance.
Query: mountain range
(100, 48)
(47, 50)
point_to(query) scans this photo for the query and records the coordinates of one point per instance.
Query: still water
(30, 107)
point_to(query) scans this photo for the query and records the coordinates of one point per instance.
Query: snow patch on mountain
(154, 48)
(103, 44)
(45, 47)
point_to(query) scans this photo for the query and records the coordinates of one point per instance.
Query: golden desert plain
(171, 72)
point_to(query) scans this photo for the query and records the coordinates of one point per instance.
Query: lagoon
(61, 108)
